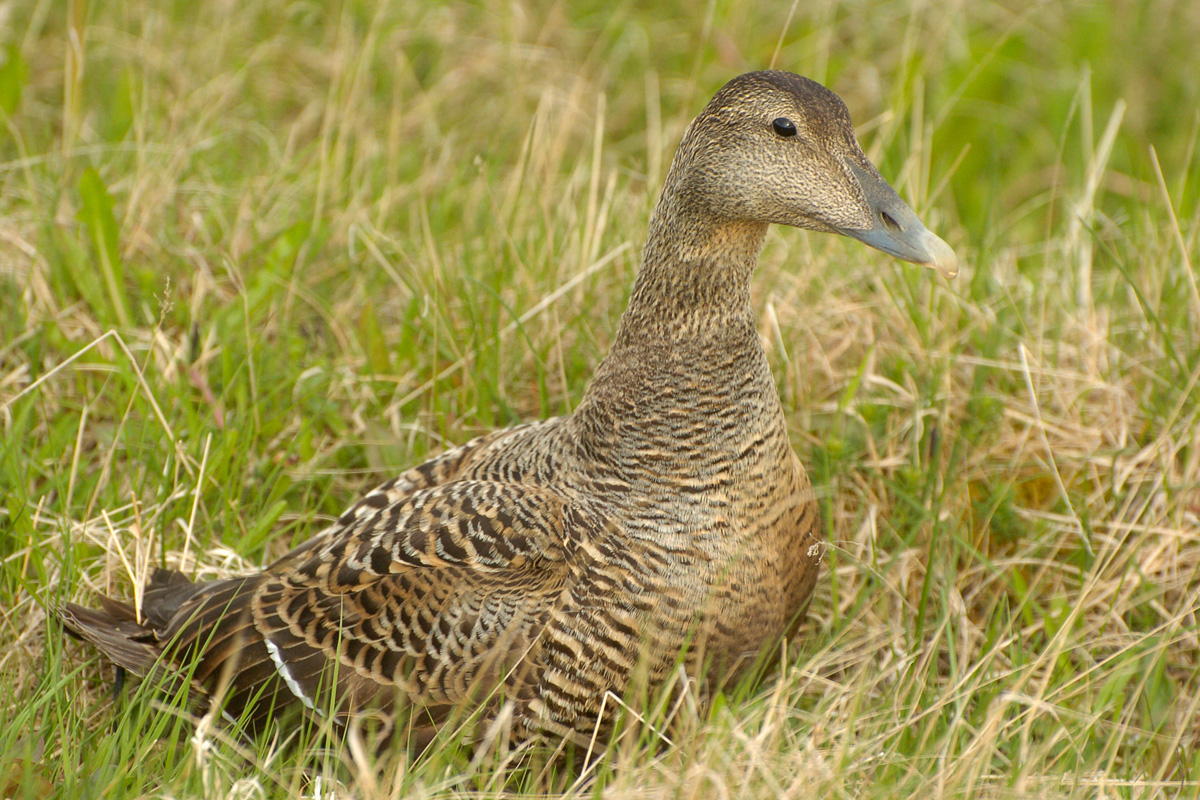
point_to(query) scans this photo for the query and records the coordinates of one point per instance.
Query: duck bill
(897, 231)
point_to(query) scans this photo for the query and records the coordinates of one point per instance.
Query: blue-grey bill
(916, 244)
(897, 231)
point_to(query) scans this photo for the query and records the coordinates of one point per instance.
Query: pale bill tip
(941, 256)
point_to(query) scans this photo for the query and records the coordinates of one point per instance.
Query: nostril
(888, 221)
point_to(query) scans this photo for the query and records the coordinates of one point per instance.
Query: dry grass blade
(349, 237)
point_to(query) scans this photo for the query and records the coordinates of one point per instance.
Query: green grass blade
(97, 214)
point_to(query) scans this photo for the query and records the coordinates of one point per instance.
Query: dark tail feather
(136, 646)
(193, 638)
(115, 631)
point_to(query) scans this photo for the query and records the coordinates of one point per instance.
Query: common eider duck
(546, 567)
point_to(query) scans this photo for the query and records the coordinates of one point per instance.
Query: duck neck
(695, 274)
(687, 349)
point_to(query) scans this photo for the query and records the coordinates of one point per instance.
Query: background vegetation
(257, 256)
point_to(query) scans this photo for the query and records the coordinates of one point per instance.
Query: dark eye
(784, 126)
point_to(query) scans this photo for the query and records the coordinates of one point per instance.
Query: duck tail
(134, 643)
(114, 630)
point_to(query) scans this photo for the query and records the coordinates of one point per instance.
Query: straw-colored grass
(256, 257)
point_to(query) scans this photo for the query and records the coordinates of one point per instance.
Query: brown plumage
(554, 562)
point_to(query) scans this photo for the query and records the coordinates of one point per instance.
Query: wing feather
(434, 597)
(428, 591)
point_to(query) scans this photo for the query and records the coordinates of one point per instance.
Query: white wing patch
(286, 674)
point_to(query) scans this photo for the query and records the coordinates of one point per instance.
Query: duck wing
(422, 604)
(451, 465)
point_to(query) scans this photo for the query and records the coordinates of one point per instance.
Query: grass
(257, 257)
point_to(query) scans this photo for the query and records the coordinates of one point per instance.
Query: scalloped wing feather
(428, 601)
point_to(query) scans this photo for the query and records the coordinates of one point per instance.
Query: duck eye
(784, 126)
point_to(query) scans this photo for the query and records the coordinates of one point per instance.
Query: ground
(256, 257)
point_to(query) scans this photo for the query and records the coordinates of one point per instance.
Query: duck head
(776, 147)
